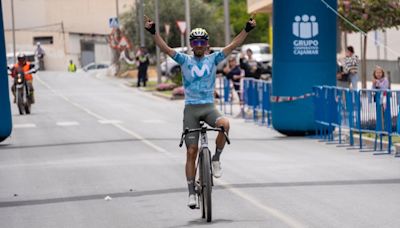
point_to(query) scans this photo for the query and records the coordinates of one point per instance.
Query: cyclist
(26, 67)
(199, 82)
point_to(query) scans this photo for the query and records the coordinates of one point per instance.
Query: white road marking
(110, 121)
(291, 222)
(154, 121)
(27, 125)
(67, 124)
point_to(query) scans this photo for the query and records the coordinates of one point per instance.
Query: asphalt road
(97, 153)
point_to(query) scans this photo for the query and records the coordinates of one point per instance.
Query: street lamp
(13, 30)
(117, 7)
(157, 48)
(188, 28)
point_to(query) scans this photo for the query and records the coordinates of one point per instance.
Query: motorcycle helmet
(21, 57)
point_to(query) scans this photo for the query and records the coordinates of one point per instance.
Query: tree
(202, 15)
(239, 17)
(368, 15)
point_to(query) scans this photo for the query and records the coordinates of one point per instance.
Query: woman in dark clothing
(233, 72)
(143, 64)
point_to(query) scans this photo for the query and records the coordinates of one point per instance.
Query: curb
(168, 97)
(370, 142)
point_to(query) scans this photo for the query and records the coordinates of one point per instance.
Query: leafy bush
(179, 91)
(166, 86)
(177, 78)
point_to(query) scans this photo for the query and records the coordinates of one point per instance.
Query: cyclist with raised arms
(199, 83)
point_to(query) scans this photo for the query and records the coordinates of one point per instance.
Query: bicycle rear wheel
(207, 184)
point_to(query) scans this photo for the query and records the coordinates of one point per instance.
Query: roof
(259, 6)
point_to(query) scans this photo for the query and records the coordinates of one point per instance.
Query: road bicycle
(204, 178)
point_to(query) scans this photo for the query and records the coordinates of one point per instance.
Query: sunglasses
(198, 43)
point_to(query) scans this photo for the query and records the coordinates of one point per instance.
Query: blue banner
(5, 109)
(304, 55)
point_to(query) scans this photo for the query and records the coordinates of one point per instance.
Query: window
(43, 40)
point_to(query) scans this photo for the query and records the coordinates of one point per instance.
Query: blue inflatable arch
(5, 109)
(304, 55)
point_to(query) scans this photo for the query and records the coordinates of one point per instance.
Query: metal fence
(254, 99)
(364, 111)
(336, 110)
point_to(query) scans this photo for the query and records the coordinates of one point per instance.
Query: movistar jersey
(199, 76)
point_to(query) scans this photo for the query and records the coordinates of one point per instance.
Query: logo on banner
(305, 27)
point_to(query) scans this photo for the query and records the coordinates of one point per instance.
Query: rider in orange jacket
(26, 67)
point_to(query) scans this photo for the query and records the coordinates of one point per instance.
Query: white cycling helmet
(198, 33)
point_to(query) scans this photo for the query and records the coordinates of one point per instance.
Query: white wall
(102, 52)
(393, 38)
(83, 16)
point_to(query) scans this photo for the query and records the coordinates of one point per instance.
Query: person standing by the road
(380, 81)
(250, 66)
(198, 72)
(351, 67)
(143, 63)
(71, 66)
(39, 53)
(233, 73)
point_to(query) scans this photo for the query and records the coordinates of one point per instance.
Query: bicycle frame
(203, 168)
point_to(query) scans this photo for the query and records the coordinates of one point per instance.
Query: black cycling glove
(249, 27)
(152, 29)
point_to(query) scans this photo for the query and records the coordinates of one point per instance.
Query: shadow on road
(179, 190)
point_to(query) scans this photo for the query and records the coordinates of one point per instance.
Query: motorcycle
(22, 94)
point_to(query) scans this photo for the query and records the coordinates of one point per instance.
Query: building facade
(74, 29)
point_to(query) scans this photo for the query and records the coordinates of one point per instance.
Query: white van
(29, 54)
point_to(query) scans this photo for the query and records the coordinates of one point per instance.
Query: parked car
(29, 55)
(262, 54)
(169, 67)
(95, 66)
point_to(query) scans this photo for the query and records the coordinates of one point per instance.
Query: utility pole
(227, 23)
(13, 29)
(117, 8)
(157, 48)
(141, 23)
(187, 18)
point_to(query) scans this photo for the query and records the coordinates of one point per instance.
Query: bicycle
(204, 178)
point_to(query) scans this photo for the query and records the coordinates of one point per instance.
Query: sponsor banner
(304, 56)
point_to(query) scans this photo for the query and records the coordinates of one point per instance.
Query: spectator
(379, 81)
(39, 53)
(342, 78)
(71, 66)
(251, 67)
(233, 73)
(351, 67)
(142, 59)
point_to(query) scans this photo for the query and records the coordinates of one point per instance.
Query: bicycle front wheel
(207, 184)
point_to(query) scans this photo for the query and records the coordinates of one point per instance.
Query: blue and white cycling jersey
(199, 76)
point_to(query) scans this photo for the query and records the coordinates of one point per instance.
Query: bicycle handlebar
(219, 129)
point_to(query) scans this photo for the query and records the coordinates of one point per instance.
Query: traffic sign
(113, 22)
(181, 26)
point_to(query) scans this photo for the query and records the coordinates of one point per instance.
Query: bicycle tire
(20, 101)
(207, 184)
(200, 173)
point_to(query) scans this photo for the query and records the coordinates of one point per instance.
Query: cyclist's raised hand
(150, 25)
(251, 24)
